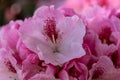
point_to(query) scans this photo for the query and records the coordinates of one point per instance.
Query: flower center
(50, 30)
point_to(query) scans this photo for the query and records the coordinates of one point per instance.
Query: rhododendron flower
(7, 71)
(9, 35)
(96, 46)
(96, 12)
(74, 70)
(99, 31)
(30, 66)
(55, 38)
(104, 70)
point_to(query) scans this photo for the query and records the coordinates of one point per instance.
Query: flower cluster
(59, 44)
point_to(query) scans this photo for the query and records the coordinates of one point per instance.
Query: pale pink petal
(51, 12)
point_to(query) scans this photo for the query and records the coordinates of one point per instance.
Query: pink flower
(96, 46)
(96, 12)
(22, 50)
(104, 70)
(7, 72)
(9, 35)
(35, 69)
(30, 66)
(89, 58)
(99, 31)
(55, 38)
(74, 70)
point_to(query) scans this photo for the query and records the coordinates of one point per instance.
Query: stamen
(53, 39)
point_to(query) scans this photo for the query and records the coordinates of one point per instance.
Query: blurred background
(20, 9)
